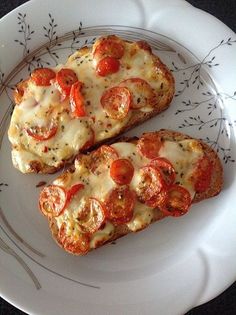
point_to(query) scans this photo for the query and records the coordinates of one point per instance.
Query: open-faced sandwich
(124, 187)
(98, 94)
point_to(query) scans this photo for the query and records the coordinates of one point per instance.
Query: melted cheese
(101, 236)
(41, 105)
(142, 217)
(183, 155)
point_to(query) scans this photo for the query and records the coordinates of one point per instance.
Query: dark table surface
(224, 304)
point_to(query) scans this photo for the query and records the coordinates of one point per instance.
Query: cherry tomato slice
(52, 200)
(91, 215)
(141, 91)
(158, 199)
(177, 201)
(20, 91)
(65, 78)
(122, 171)
(75, 244)
(77, 101)
(107, 65)
(151, 183)
(166, 168)
(202, 174)
(88, 144)
(149, 145)
(42, 133)
(73, 191)
(102, 158)
(42, 76)
(116, 102)
(120, 205)
(109, 47)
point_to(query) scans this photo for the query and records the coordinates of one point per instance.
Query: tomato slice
(73, 191)
(202, 174)
(42, 133)
(166, 168)
(43, 76)
(158, 199)
(141, 91)
(75, 244)
(77, 100)
(151, 183)
(116, 102)
(107, 65)
(122, 171)
(20, 91)
(91, 215)
(177, 201)
(52, 201)
(149, 145)
(111, 47)
(102, 158)
(65, 78)
(88, 144)
(120, 205)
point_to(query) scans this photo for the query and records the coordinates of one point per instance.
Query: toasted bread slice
(190, 167)
(100, 92)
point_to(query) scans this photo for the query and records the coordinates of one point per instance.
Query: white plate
(175, 264)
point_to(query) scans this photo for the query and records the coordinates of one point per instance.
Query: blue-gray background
(225, 304)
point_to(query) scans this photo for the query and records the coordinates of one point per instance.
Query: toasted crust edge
(214, 189)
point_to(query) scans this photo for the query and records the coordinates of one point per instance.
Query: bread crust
(137, 116)
(213, 190)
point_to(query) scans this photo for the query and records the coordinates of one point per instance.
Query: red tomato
(141, 91)
(20, 91)
(120, 205)
(177, 201)
(102, 158)
(91, 215)
(151, 183)
(158, 199)
(116, 102)
(111, 47)
(42, 76)
(122, 171)
(72, 243)
(166, 168)
(77, 100)
(65, 78)
(88, 144)
(107, 65)
(149, 145)
(52, 201)
(73, 191)
(42, 133)
(202, 174)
